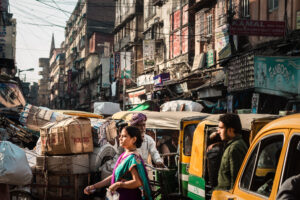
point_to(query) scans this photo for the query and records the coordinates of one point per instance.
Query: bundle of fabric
(34, 117)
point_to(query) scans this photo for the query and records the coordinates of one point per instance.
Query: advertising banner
(105, 62)
(148, 53)
(125, 64)
(277, 73)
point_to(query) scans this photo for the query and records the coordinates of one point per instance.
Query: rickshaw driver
(148, 146)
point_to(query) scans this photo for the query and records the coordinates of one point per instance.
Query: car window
(188, 138)
(260, 169)
(292, 163)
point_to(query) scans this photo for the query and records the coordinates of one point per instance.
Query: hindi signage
(257, 28)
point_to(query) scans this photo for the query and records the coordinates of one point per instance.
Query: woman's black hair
(135, 132)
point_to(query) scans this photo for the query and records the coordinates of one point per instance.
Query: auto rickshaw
(200, 181)
(181, 124)
(272, 158)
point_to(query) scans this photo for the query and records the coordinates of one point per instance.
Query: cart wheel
(20, 195)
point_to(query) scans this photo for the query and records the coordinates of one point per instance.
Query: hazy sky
(36, 21)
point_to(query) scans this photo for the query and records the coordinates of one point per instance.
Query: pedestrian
(129, 177)
(235, 150)
(289, 190)
(148, 146)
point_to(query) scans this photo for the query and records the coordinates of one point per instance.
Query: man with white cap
(148, 146)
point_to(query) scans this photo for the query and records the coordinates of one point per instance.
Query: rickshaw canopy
(161, 120)
(246, 119)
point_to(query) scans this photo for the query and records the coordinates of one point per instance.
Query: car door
(291, 165)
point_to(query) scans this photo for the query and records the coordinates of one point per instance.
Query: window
(292, 165)
(260, 169)
(221, 9)
(188, 139)
(202, 30)
(272, 5)
(209, 24)
(245, 8)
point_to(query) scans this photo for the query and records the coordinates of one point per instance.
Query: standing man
(148, 146)
(235, 150)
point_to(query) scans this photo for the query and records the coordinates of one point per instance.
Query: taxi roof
(290, 121)
(246, 119)
(162, 120)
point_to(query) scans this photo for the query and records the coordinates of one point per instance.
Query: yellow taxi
(272, 158)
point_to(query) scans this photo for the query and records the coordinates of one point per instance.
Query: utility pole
(124, 82)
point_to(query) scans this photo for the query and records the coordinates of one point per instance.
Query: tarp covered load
(35, 117)
(68, 136)
(103, 131)
(106, 108)
(181, 104)
(14, 167)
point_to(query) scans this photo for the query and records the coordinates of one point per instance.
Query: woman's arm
(132, 184)
(103, 183)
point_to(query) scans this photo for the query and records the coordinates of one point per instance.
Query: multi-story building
(56, 83)
(257, 80)
(7, 41)
(88, 17)
(128, 42)
(44, 93)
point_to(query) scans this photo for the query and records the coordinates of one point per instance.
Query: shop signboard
(146, 79)
(148, 53)
(277, 74)
(210, 57)
(161, 78)
(257, 28)
(134, 97)
(298, 20)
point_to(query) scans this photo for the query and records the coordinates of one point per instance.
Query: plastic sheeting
(175, 106)
(106, 108)
(14, 167)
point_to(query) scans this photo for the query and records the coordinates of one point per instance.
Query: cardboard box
(72, 164)
(69, 136)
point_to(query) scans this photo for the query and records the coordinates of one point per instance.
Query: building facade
(89, 17)
(43, 91)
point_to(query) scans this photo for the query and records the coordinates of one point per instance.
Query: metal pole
(124, 83)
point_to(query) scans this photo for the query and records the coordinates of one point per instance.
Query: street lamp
(24, 70)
